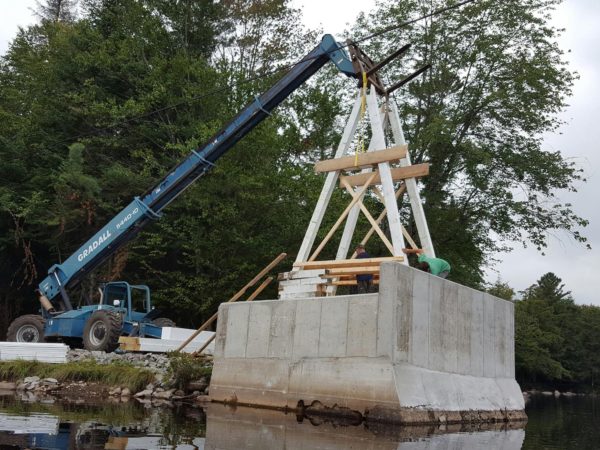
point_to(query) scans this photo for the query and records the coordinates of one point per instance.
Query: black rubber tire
(28, 328)
(163, 322)
(102, 331)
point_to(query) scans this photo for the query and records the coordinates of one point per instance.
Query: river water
(562, 423)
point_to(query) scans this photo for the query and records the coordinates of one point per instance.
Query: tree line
(99, 101)
(556, 341)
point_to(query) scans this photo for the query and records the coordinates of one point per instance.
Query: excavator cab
(133, 299)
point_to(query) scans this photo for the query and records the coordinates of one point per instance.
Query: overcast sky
(577, 140)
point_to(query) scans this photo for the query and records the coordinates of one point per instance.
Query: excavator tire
(102, 331)
(28, 328)
(163, 322)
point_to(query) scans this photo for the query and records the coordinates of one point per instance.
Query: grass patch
(115, 374)
(184, 368)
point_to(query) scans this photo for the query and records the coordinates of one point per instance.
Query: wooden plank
(235, 298)
(338, 222)
(398, 173)
(350, 270)
(341, 274)
(371, 220)
(364, 240)
(330, 264)
(129, 344)
(363, 160)
(347, 283)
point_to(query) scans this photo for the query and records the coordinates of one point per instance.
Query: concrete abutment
(422, 350)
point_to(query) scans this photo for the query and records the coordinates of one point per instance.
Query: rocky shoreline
(166, 387)
(534, 392)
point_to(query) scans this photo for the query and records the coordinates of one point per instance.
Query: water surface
(563, 423)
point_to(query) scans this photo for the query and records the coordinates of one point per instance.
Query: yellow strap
(363, 106)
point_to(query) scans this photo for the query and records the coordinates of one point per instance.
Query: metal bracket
(363, 63)
(260, 105)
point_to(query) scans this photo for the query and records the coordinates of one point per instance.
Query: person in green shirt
(435, 266)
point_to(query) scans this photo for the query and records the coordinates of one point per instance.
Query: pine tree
(57, 10)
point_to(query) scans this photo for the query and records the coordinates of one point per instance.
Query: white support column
(411, 184)
(329, 185)
(387, 182)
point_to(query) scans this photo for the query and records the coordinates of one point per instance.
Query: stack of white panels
(31, 424)
(172, 337)
(50, 353)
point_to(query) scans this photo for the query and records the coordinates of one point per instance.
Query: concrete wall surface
(246, 428)
(423, 344)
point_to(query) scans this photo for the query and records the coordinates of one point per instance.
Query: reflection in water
(553, 424)
(563, 423)
(245, 428)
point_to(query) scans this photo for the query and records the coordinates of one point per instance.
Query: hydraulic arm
(130, 221)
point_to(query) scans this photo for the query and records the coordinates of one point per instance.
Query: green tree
(57, 10)
(496, 83)
(556, 341)
(502, 290)
(109, 80)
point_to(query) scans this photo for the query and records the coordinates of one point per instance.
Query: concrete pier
(423, 350)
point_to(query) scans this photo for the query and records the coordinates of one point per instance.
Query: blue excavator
(125, 309)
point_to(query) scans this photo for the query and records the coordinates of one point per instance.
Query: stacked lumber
(171, 339)
(311, 278)
(27, 351)
(301, 284)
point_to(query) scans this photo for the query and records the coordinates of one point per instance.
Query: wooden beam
(371, 220)
(340, 271)
(364, 240)
(405, 233)
(411, 186)
(363, 160)
(336, 225)
(331, 264)
(334, 274)
(129, 344)
(235, 298)
(346, 283)
(398, 173)
(329, 185)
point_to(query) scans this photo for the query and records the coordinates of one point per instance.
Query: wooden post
(329, 185)
(407, 236)
(236, 297)
(369, 217)
(411, 185)
(342, 217)
(350, 225)
(386, 177)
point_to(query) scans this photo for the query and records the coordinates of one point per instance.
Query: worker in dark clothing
(364, 281)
